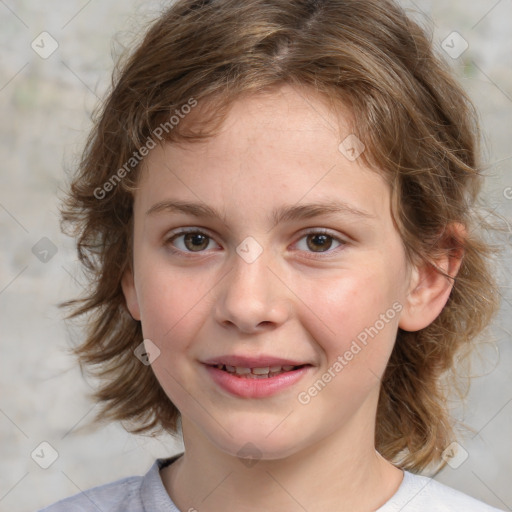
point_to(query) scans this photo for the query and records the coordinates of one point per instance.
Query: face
(272, 281)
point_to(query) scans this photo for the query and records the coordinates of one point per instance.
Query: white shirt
(422, 494)
(147, 494)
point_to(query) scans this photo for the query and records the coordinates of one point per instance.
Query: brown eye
(319, 243)
(189, 241)
(195, 241)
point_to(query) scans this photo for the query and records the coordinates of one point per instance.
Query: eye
(319, 241)
(192, 241)
(195, 240)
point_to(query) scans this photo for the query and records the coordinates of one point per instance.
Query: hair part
(420, 131)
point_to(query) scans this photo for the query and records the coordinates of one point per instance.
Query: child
(276, 209)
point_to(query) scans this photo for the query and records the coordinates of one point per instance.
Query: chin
(253, 440)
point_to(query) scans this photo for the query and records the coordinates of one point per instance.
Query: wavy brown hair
(420, 131)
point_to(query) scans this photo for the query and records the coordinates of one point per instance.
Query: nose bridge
(251, 295)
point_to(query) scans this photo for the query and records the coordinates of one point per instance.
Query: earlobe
(432, 283)
(130, 294)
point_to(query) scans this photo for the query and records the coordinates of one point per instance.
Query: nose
(252, 297)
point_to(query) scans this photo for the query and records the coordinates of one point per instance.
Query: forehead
(278, 147)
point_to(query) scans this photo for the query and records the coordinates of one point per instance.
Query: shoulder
(121, 495)
(421, 494)
(131, 494)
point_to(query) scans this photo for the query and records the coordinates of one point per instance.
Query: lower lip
(255, 388)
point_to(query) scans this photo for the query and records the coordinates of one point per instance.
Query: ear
(429, 289)
(130, 294)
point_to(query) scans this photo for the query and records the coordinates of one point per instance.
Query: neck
(341, 472)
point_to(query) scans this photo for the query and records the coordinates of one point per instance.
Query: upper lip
(252, 362)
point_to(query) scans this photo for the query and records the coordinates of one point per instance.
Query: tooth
(242, 371)
(287, 367)
(230, 368)
(260, 371)
(275, 368)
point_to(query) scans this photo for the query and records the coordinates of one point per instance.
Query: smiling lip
(252, 362)
(255, 386)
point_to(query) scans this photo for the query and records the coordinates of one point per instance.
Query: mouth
(265, 372)
(256, 381)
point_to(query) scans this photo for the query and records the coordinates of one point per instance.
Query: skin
(299, 301)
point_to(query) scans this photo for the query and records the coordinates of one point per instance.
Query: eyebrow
(287, 213)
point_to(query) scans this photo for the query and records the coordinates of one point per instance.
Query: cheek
(167, 303)
(172, 312)
(356, 317)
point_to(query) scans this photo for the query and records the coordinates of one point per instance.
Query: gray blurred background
(46, 101)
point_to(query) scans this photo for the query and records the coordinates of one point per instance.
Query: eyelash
(168, 241)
